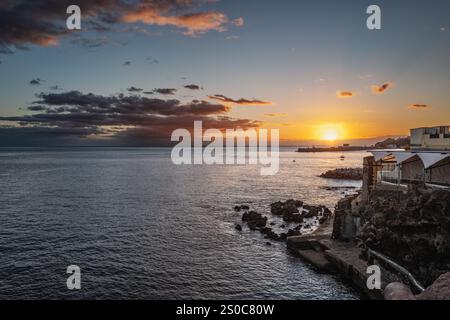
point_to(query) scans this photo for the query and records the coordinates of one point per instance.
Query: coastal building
(427, 161)
(431, 138)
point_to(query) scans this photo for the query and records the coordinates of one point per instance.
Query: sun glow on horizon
(329, 132)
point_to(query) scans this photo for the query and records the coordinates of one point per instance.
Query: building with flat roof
(430, 138)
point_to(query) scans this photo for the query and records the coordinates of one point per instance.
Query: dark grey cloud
(136, 120)
(165, 91)
(240, 101)
(134, 89)
(91, 43)
(42, 22)
(36, 82)
(192, 87)
(152, 60)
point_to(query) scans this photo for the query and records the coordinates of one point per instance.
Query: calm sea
(140, 227)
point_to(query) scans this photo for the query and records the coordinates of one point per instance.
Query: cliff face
(411, 227)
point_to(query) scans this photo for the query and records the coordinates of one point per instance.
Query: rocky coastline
(409, 227)
(294, 215)
(344, 174)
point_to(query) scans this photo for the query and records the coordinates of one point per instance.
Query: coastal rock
(238, 227)
(439, 290)
(412, 228)
(344, 174)
(242, 207)
(254, 220)
(296, 211)
(273, 236)
(281, 208)
(292, 233)
(292, 217)
(398, 291)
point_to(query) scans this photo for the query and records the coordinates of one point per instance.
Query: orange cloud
(381, 89)
(344, 94)
(194, 23)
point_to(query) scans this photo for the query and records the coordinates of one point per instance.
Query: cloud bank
(76, 118)
(42, 22)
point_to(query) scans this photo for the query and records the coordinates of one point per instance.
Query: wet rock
(268, 243)
(238, 227)
(242, 207)
(272, 235)
(281, 208)
(292, 233)
(254, 220)
(293, 217)
(265, 230)
(344, 174)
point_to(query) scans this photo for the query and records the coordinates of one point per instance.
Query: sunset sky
(140, 69)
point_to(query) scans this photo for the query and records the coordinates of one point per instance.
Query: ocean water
(140, 227)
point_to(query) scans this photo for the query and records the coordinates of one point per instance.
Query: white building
(431, 138)
(428, 160)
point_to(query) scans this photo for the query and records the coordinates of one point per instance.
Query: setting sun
(330, 135)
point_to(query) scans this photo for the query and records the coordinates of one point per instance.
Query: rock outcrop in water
(291, 211)
(254, 220)
(344, 174)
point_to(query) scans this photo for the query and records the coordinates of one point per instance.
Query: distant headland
(390, 143)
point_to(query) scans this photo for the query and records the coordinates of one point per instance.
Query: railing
(398, 268)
